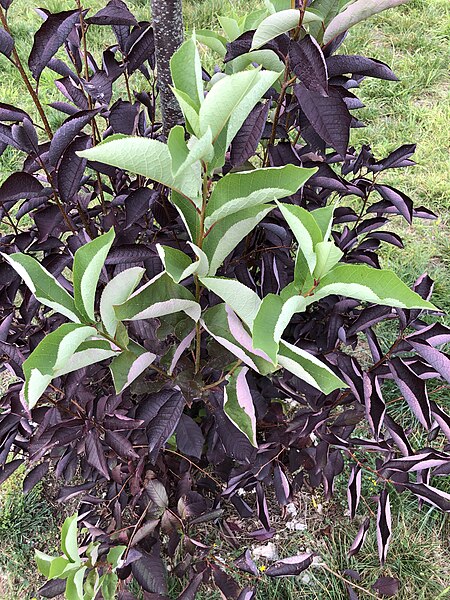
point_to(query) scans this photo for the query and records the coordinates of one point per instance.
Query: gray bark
(169, 33)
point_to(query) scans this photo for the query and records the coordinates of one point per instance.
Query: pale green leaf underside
(186, 70)
(238, 405)
(244, 301)
(128, 365)
(278, 23)
(117, 291)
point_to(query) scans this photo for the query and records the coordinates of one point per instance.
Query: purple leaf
(247, 594)
(34, 476)
(340, 64)
(6, 43)
(435, 335)
(164, 424)
(416, 462)
(328, 115)
(375, 405)
(384, 525)
(413, 389)
(17, 186)
(387, 586)
(115, 13)
(49, 37)
(95, 454)
(190, 439)
(282, 487)
(138, 204)
(432, 495)
(8, 469)
(190, 592)
(99, 87)
(226, 584)
(123, 117)
(246, 563)
(398, 435)
(71, 92)
(150, 572)
(140, 47)
(261, 504)
(52, 588)
(308, 63)
(293, 565)
(360, 537)
(401, 201)
(120, 444)
(71, 169)
(67, 132)
(11, 113)
(398, 158)
(246, 141)
(437, 359)
(354, 490)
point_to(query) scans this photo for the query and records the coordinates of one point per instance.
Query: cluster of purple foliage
(111, 450)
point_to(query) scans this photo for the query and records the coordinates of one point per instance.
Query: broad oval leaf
(116, 292)
(129, 364)
(278, 23)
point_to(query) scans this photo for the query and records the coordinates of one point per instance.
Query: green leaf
(238, 191)
(43, 285)
(238, 404)
(328, 254)
(178, 264)
(189, 110)
(117, 291)
(226, 234)
(88, 353)
(43, 562)
(370, 285)
(115, 555)
(69, 538)
(74, 584)
(231, 27)
(186, 155)
(244, 301)
(253, 19)
(278, 23)
(212, 40)
(305, 229)
(327, 9)
(308, 368)
(87, 265)
(355, 13)
(60, 567)
(226, 328)
(91, 585)
(186, 71)
(272, 319)
(266, 58)
(128, 365)
(159, 297)
(188, 213)
(324, 219)
(109, 586)
(50, 356)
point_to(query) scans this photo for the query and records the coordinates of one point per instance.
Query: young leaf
(128, 365)
(212, 40)
(87, 265)
(88, 353)
(238, 191)
(384, 525)
(328, 255)
(370, 285)
(278, 23)
(247, 139)
(356, 12)
(43, 285)
(238, 404)
(244, 301)
(69, 534)
(305, 229)
(179, 266)
(186, 71)
(308, 368)
(160, 296)
(74, 584)
(116, 292)
(228, 232)
(50, 356)
(43, 562)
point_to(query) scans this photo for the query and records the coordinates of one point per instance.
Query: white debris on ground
(294, 524)
(267, 551)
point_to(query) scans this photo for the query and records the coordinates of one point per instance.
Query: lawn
(415, 41)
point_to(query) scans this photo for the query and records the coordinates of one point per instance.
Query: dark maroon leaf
(398, 435)
(340, 64)
(402, 203)
(432, 495)
(8, 469)
(190, 439)
(308, 63)
(398, 158)
(19, 185)
(141, 48)
(138, 204)
(328, 116)
(34, 476)
(150, 572)
(226, 584)
(413, 389)
(354, 489)
(95, 454)
(66, 133)
(387, 586)
(261, 503)
(246, 563)
(52, 588)
(71, 92)
(164, 424)
(384, 525)
(351, 592)
(71, 169)
(246, 141)
(360, 537)
(190, 592)
(11, 113)
(115, 13)
(123, 117)
(49, 37)
(282, 487)
(99, 87)
(247, 594)
(375, 405)
(6, 43)
(120, 444)
(437, 359)
(293, 565)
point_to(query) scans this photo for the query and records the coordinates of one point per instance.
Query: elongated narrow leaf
(384, 525)
(186, 71)
(51, 355)
(164, 423)
(437, 359)
(356, 12)
(294, 565)
(374, 402)
(278, 23)
(308, 63)
(238, 191)
(244, 301)
(360, 537)
(129, 364)
(88, 353)
(247, 139)
(308, 368)
(43, 285)
(238, 405)
(327, 255)
(69, 534)
(354, 490)
(116, 292)
(305, 229)
(6, 43)
(373, 285)
(414, 390)
(87, 265)
(160, 296)
(228, 232)
(431, 495)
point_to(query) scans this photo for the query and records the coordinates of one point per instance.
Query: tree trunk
(168, 29)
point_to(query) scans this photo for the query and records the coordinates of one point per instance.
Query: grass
(414, 41)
